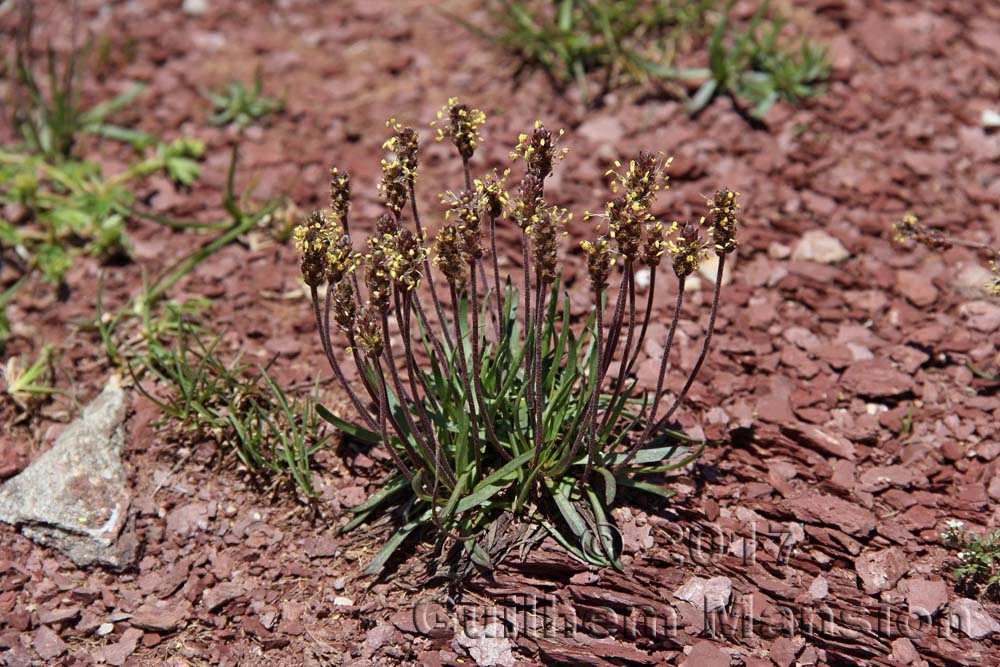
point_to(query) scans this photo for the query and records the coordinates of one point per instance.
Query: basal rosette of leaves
(498, 410)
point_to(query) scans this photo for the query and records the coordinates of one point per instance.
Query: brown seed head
(491, 193)
(625, 225)
(340, 193)
(386, 225)
(378, 272)
(449, 257)
(370, 332)
(539, 151)
(656, 243)
(464, 207)
(529, 202)
(345, 305)
(723, 209)
(462, 126)
(312, 239)
(688, 249)
(600, 261)
(394, 185)
(404, 144)
(340, 256)
(406, 260)
(644, 177)
(545, 241)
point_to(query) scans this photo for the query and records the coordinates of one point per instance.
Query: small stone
(56, 616)
(774, 409)
(642, 278)
(842, 55)
(880, 570)
(778, 251)
(706, 594)
(818, 246)
(105, 629)
(802, 338)
(994, 488)
(880, 478)
(971, 279)
(47, 643)
(220, 594)
(195, 7)
(709, 269)
(833, 511)
(882, 39)
(784, 649)
(917, 287)
(819, 588)
(875, 378)
(75, 496)
(859, 352)
(970, 618)
(185, 520)
(903, 651)
(488, 646)
(636, 532)
(161, 615)
(989, 119)
(116, 654)
(926, 596)
(706, 654)
(981, 316)
(376, 638)
(341, 601)
(822, 441)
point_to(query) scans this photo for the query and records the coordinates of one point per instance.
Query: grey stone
(194, 7)
(970, 617)
(75, 496)
(971, 279)
(489, 646)
(706, 594)
(818, 246)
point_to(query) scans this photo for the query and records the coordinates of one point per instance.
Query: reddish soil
(817, 508)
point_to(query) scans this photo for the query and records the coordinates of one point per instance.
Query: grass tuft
(601, 45)
(978, 570)
(241, 105)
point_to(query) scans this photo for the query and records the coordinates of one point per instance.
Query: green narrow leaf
(647, 487)
(394, 486)
(397, 539)
(702, 97)
(609, 537)
(494, 483)
(97, 113)
(610, 487)
(353, 430)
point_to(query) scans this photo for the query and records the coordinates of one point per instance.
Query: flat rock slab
(876, 378)
(970, 617)
(75, 496)
(706, 594)
(829, 510)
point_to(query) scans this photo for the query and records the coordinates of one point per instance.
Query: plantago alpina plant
(514, 418)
